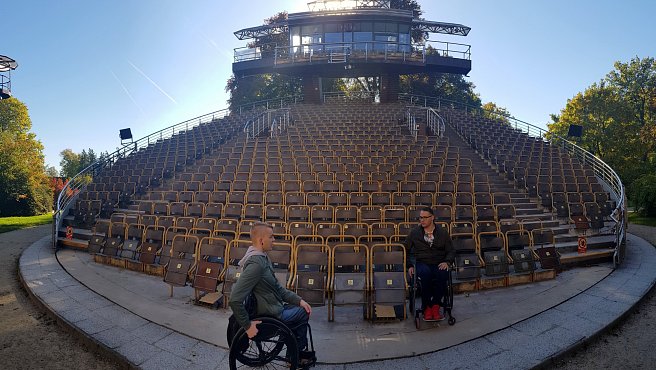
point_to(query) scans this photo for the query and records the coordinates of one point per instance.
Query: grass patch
(635, 218)
(15, 223)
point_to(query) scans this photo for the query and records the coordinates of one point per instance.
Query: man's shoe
(428, 314)
(306, 359)
(437, 316)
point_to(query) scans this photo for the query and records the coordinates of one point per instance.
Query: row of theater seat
(323, 213)
(231, 228)
(320, 272)
(479, 195)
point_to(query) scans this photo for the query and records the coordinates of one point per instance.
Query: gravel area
(30, 339)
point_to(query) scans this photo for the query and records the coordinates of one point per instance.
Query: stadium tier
(339, 182)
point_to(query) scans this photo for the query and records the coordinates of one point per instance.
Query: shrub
(643, 194)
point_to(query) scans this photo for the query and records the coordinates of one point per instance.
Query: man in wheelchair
(273, 300)
(430, 256)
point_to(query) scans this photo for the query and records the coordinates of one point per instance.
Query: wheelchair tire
(274, 347)
(452, 321)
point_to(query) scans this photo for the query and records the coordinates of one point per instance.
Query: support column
(312, 89)
(389, 88)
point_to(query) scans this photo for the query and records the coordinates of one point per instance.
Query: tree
(57, 184)
(251, 89)
(417, 36)
(51, 171)
(441, 85)
(493, 111)
(73, 163)
(618, 115)
(24, 185)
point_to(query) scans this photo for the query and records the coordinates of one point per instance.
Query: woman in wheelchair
(279, 334)
(430, 256)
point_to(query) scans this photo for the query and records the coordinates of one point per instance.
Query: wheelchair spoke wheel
(274, 347)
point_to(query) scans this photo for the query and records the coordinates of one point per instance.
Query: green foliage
(24, 185)
(72, 163)
(251, 89)
(14, 223)
(51, 171)
(417, 36)
(618, 115)
(493, 111)
(643, 194)
(635, 218)
(441, 85)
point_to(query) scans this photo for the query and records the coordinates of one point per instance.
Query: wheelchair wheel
(274, 347)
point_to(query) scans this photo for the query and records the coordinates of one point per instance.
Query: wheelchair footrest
(384, 312)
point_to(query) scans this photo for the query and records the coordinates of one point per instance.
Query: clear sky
(88, 68)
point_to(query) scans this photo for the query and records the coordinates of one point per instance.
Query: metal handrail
(79, 182)
(359, 50)
(340, 52)
(329, 96)
(602, 170)
(434, 120)
(276, 120)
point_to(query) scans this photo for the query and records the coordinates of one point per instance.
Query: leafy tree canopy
(618, 115)
(72, 163)
(24, 185)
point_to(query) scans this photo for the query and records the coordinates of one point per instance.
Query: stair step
(73, 243)
(600, 242)
(78, 233)
(530, 211)
(591, 256)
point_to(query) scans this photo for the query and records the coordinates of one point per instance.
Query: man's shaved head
(262, 236)
(258, 228)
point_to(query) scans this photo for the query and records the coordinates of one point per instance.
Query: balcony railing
(343, 52)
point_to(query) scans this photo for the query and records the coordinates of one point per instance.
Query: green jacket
(258, 276)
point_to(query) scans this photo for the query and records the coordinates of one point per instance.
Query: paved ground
(29, 338)
(25, 331)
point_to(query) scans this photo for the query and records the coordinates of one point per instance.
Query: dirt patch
(29, 338)
(630, 344)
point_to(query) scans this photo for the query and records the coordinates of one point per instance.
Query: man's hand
(443, 266)
(306, 306)
(411, 271)
(252, 330)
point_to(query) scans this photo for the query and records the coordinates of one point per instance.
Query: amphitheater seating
(335, 185)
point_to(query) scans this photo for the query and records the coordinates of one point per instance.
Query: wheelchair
(446, 303)
(274, 346)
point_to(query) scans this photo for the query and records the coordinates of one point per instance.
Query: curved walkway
(547, 319)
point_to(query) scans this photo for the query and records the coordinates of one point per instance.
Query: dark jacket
(419, 250)
(257, 276)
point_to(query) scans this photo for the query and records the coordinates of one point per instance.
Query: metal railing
(79, 182)
(433, 119)
(349, 96)
(343, 52)
(274, 120)
(602, 170)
